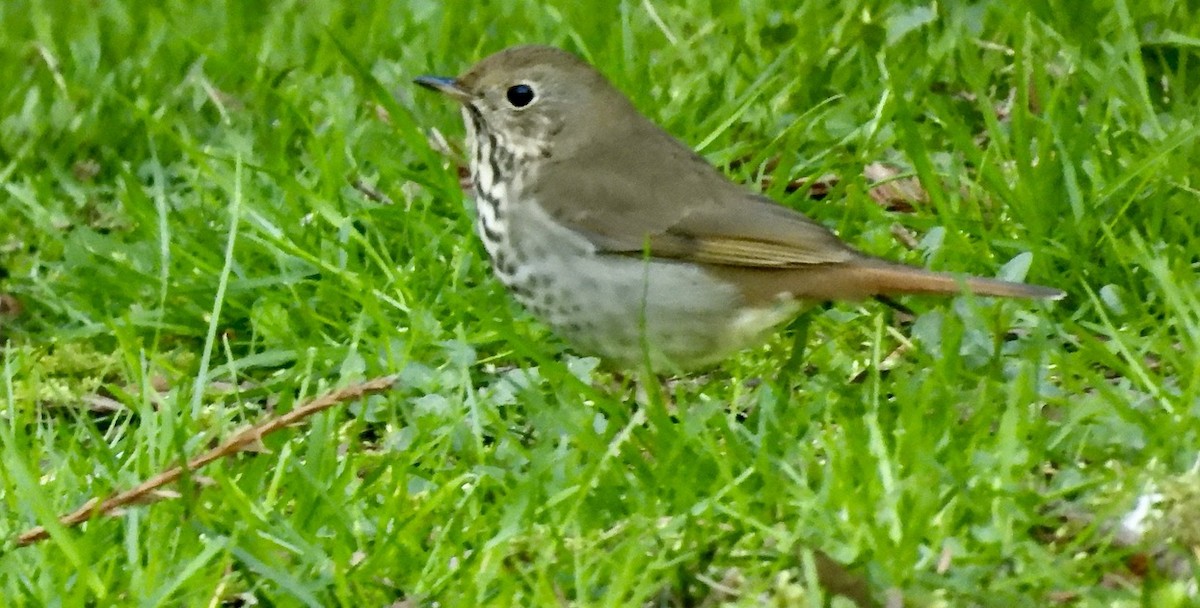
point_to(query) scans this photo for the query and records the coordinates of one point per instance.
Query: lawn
(213, 212)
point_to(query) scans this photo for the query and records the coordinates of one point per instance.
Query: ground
(215, 211)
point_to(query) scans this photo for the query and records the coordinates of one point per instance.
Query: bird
(630, 245)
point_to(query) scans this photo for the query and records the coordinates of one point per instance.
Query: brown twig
(370, 191)
(240, 440)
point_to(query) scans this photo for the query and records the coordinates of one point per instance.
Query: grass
(184, 236)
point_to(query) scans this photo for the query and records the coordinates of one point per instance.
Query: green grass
(181, 230)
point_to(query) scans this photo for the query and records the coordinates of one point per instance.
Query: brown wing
(660, 194)
(657, 193)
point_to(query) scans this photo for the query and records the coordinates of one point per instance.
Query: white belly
(632, 310)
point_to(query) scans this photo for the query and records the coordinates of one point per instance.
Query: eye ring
(520, 95)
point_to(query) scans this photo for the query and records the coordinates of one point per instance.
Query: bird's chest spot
(492, 224)
(513, 246)
(518, 261)
(543, 265)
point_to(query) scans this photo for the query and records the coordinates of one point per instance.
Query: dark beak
(447, 86)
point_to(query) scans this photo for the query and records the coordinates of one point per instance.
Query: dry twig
(248, 437)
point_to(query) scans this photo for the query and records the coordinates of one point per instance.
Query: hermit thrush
(627, 243)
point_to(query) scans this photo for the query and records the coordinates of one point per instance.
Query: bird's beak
(447, 86)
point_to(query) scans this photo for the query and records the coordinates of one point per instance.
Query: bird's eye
(520, 95)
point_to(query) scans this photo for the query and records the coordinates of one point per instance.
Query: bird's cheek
(553, 126)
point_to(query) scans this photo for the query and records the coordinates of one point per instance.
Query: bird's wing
(627, 202)
(676, 205)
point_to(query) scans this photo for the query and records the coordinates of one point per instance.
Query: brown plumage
(623, 238)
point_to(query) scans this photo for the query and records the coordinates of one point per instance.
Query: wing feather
(624, 199)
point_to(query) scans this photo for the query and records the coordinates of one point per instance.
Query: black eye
(520, 95)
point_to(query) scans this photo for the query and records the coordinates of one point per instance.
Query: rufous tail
(869, 277)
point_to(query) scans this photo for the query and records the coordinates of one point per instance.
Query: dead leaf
(85, 170)
(382, 114)
(102, 404)
(10, 306)
(893, 192)
(907, 237)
